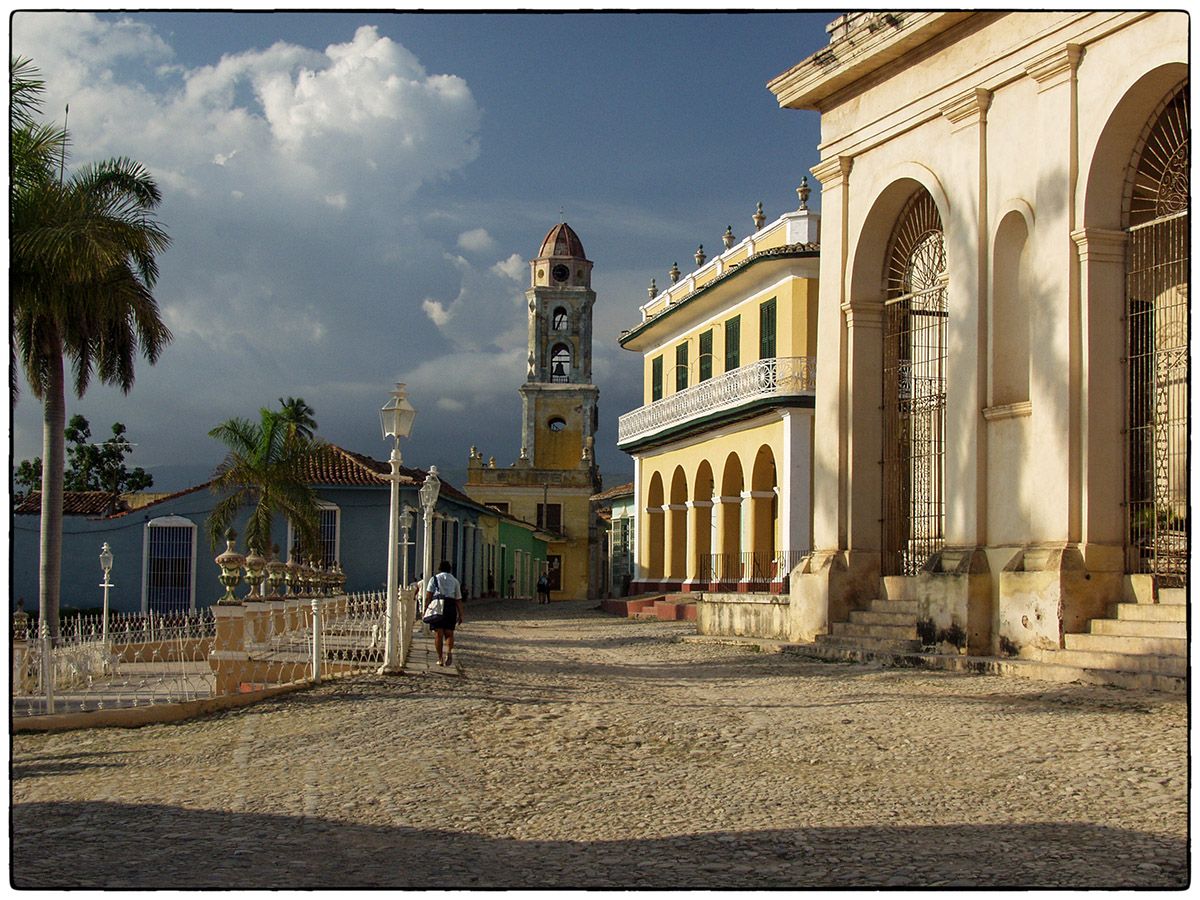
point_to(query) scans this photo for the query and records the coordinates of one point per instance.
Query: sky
(353, 199)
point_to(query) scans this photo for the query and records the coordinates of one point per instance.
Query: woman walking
(443, 610)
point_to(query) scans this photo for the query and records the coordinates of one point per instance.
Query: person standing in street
(443, 610)
(543, 588)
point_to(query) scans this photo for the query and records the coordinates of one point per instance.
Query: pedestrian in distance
(443, 610)
(543, 588)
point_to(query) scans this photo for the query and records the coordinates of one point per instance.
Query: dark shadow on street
(207, 849)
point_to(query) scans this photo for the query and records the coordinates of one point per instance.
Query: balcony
(780, 378)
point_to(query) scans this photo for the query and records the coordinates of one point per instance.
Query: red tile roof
(621, 490)
(75, 503)
(331, 466)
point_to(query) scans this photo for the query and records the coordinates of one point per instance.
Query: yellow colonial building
(722, 445)
(552, 482)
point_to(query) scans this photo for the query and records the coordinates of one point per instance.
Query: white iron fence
(162, 659)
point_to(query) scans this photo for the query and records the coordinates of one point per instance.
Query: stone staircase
(1140, 645)
(663, 607)
(887, 626)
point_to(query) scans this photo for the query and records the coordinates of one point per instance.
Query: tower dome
(561, 240)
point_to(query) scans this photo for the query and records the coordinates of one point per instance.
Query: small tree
(298, 417)
(265, 470)
(90, 467)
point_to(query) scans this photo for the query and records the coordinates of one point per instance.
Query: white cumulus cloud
(477, 240)
(514, 267)
(436, 312)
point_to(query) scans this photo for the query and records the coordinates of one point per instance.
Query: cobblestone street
(575, 749)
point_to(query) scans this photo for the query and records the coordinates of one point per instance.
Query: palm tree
(264, 470)
(298, 416)
(82, 267)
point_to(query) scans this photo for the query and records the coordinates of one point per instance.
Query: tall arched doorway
(1156, 318)
(914, 388)
(653, 566)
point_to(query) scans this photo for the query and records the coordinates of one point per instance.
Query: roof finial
(652, 290)
(728, 237)
(674, 273)
(700, 257)
(804, 190)
(759, 217)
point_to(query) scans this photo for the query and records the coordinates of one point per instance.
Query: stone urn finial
(275, 571)
(759, 216)
(674, 273)
(652, 290)
(804, 190)
(230, 563)
(256, 567)
(700, 257)
(728, 237)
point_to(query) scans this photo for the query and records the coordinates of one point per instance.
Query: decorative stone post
(256, 611)
(317, 652)
(228, 658)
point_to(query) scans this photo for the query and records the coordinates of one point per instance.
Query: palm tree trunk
(54, 415)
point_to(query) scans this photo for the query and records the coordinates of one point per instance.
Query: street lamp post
(430, 489)
(106, 564)
(405, 526)
(395, 419)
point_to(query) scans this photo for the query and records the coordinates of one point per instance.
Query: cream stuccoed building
(1001, 426)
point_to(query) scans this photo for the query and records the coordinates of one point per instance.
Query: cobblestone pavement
(580, 750)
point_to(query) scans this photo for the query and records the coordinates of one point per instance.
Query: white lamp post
(396, 420)
(405, 526)
(106, 563)
(430, 489)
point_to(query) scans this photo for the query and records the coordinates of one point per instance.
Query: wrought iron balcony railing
(777, 377)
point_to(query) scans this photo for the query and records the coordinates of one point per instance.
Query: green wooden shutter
(733, 343)
(766, 330)
(706, 345)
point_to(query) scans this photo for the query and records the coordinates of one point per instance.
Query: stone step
(1115, 643)
(1062, 673)
(1139, 628)
(1115, 662)
(1057, 669)
(870, 644)
(1172, 595)
(906, 632)
(905, 607)
(874, 617)
(1150, 612)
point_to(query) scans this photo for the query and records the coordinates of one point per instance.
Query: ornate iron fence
(150, 660)
(758, 571)
(775, 377)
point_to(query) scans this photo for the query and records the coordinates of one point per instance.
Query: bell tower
(559, 403)
(550, 486)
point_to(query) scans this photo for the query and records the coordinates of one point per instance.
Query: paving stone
(576, 749)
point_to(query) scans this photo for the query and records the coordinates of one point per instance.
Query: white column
(795, 486)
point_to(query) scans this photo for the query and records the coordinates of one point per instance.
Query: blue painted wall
(362, 549)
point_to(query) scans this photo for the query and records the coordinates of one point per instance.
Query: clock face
(560, 272)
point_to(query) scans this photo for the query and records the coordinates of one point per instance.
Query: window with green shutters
(766, 330)
(681, 367)
(733, 343)
(706, 355)
(656, 378)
